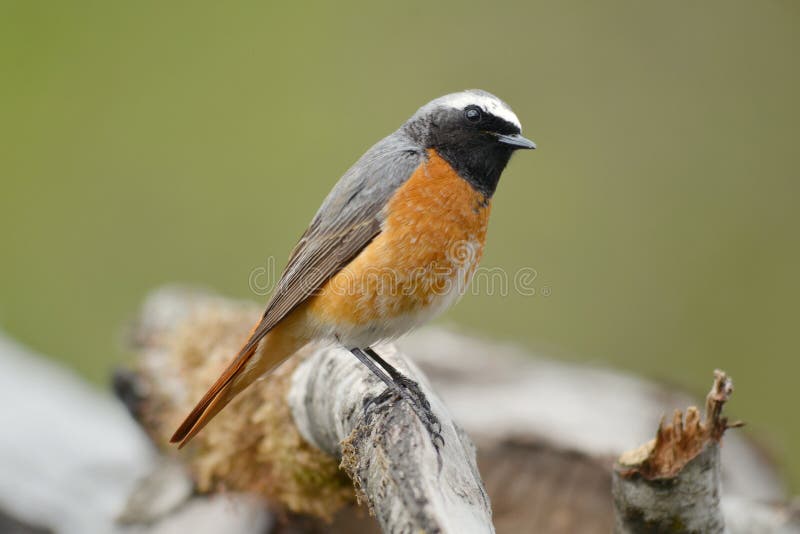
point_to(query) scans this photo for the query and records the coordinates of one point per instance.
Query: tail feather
(203, 411)
(269, 352)
(200, 417)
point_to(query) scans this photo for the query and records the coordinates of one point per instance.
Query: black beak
(516, 141)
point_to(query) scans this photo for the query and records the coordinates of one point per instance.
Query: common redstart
(394, 244)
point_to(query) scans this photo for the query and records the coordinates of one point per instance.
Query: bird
(393, 245)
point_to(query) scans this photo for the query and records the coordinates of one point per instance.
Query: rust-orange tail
(262, 353)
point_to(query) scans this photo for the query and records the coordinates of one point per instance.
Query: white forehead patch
(488, 102)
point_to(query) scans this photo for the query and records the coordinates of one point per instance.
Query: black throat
(479, 163)
(471, 148)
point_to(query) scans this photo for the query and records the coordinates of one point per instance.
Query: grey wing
(348, 220)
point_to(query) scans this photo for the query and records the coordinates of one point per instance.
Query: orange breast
(430, 244)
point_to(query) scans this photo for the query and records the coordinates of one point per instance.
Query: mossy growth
(253, 445)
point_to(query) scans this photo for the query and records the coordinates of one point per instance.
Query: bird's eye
(473, 113)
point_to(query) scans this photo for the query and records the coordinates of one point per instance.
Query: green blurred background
(143, 143)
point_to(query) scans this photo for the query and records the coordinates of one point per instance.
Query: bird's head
(474, 131)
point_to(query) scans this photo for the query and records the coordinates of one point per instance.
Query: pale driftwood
(69, 455)
(747, 517)
(387, 452)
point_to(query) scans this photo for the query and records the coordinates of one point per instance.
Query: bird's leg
(375, 370)
(409, 390)
(392, 388)
(406, 389)
(364, 358)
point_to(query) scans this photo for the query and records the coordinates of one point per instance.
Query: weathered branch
(387, 452)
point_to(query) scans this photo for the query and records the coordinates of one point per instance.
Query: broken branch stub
(672, 483)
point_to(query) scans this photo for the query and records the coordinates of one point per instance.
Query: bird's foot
(409, 390)
(371, 402)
